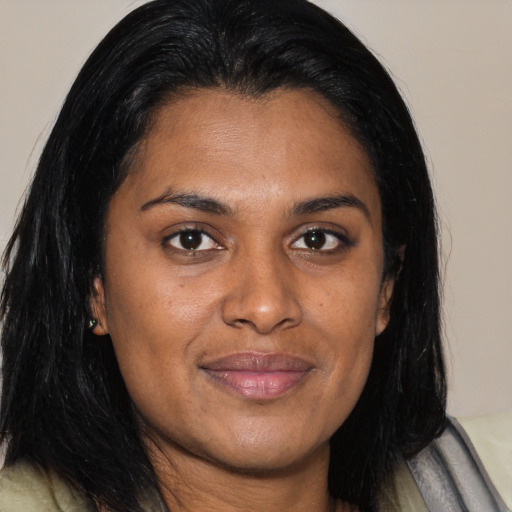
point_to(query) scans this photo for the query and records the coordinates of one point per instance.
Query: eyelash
(166, 242)
(343, 241)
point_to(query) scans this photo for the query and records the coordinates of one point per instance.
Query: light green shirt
(26, 488)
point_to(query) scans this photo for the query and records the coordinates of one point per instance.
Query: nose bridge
(262, 293)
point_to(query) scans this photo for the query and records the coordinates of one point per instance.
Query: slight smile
(258, 375)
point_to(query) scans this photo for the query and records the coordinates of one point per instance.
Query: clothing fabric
(26, 488)
(467, 469)
(452, 474)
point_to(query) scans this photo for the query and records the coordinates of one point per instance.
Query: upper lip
(258, 362)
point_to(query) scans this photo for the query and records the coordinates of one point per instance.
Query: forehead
(288, 144)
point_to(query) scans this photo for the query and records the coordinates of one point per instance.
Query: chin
(263, 453)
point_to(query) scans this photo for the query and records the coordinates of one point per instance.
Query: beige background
(452, 61)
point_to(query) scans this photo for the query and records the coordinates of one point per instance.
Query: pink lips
(258, 376)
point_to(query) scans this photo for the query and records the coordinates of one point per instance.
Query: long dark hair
(64, 403)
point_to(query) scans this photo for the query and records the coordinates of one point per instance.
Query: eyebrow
(321, 204)
(210, 205)
(195, 201)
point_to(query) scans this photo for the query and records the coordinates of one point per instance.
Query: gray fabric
(451, 477)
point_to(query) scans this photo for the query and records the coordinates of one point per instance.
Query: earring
(92, 323)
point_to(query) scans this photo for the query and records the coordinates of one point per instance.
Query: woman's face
(243, 282)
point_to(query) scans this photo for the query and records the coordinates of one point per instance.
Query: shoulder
(469, 467)
(491, 436)
(24, 487)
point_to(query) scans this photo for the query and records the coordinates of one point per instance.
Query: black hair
(64, 404)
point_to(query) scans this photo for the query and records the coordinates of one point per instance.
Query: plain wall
(452, 61)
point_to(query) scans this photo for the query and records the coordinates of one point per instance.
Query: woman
(222, 292)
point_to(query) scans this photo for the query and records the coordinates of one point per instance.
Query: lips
(258, 376)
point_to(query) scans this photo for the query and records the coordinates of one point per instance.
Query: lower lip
(257, 385)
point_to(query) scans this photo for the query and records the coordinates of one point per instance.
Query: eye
(320, 240)
(192, 240)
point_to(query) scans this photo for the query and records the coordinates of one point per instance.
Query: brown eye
(192, 240)
(314, 240)
(321, 240)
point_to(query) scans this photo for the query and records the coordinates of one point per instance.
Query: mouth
(256, 375)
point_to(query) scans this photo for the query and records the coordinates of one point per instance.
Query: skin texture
(256, 284)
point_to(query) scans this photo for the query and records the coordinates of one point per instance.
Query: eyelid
(190, 228)
(344, 240)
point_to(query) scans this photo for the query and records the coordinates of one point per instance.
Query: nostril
(240, 322)
(262, 297)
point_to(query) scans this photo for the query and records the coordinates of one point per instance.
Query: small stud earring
(92, 323)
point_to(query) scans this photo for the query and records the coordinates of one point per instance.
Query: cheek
(345, 314)
(346, 306)
(156, 299)
(153, 323)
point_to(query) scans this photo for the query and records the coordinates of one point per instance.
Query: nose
(262, 295)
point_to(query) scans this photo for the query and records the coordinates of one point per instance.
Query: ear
(97, 305)
(386, 293)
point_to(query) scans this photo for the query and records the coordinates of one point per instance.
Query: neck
(190, 484)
